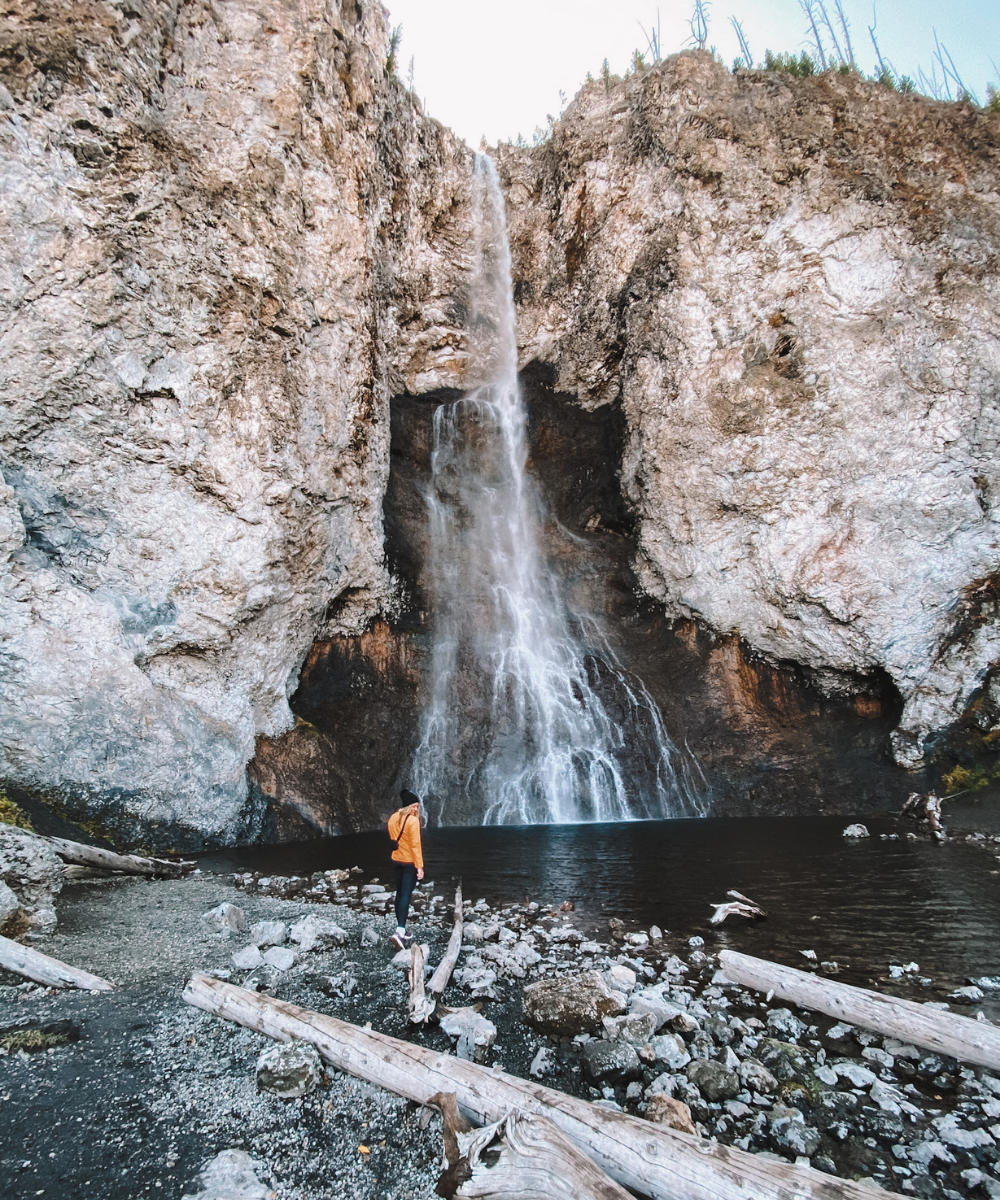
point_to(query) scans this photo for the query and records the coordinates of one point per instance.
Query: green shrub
(992, 98)
(788, 64)
(962, 779)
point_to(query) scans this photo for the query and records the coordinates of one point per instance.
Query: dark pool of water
(864, 904)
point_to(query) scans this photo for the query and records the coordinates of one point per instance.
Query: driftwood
(439, 980)
(536, 1161)
(930, 1028)
(738, 905)
(421, 1006)
(107, 860)
(22, 960)
(926, 808)
(651, 1159)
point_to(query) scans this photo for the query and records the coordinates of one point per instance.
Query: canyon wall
(230, 237)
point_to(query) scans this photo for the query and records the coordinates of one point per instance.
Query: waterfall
(527, 720)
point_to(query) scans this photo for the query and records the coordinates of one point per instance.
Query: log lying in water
(651, 1159)
(930, 1028)
(22, 960)
(108, 860)
(439, 980)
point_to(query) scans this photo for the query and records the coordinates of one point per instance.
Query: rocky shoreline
(637, 1019)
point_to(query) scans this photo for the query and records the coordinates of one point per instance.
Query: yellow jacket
(404, 828)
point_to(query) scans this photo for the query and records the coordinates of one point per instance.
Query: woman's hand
(420, 873)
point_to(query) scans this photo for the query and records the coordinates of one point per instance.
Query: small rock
(855, 1074)
(9, 904)
(619, 978)
(637, 939)
(269, 933)
(784, 1023)
(790, 1132)
(369, 937)
(225, 918)
(656, 933)
(651, 1001)
(289, 1070)
(758, 1078)
(540, 1065)
(696, 942)
(279, 957)
(669, 1048)
(312, 932)
(247, 959)
(665, 1110)
(713, 1080)
(856, 831)
(231, 1175)
(967, 995)
(635, 1028)
(474, 1033)
(610, 1062)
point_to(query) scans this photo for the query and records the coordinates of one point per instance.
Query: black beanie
(408, 797)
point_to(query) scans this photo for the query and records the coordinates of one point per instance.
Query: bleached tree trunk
(22, 960)
(653, 1160)
(439, 980)
(930, 1028)
(108, 860)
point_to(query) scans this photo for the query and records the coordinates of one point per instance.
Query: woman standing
(407, 860)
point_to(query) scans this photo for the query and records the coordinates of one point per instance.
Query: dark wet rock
(713, 1080)
(289, 1070)
(571, 1004)
(610, 1062)
(789, 1131)
(783, 1023)
(785, 1061)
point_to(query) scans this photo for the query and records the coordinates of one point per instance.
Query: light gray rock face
(214, 224)
(791, 286)
(33, 871)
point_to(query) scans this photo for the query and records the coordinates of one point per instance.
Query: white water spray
(518, 729)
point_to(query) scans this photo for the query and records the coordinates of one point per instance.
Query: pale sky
(496, 67)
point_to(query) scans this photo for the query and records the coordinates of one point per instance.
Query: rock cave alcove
(766, 738)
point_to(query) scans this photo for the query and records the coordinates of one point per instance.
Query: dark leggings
(406, 881)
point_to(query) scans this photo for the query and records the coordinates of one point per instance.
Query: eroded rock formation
(792, 285)
(229, 236)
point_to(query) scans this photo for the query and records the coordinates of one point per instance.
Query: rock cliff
(214, 219)
(230, 237)
(792, 286)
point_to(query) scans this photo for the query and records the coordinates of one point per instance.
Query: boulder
(790, 1132)
(713, 1080)
(282, 958)
(269, 933)
(289, 1070)
(225, 918)
(317, 933)
(571, 1004)
(665, 1110)
(231, 1175)
(32, 870)
(247, 959)
(610, 1062)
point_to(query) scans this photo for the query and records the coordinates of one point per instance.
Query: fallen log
(930, 1028)
(107, 860)
(536, 1161)
(651, 1159)
(439, 980)
(22, 960)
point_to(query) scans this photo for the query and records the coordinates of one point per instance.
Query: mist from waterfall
(529, 719)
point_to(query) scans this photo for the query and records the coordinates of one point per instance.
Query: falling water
(525, 723)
